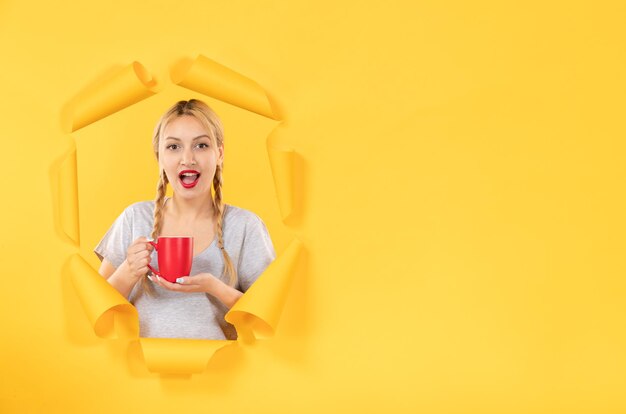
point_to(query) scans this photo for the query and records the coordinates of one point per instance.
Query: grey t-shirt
(172, 314)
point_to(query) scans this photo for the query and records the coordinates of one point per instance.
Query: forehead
(184, 127)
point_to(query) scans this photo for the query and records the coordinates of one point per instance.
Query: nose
(187, 157)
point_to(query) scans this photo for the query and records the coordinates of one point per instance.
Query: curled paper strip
(110, 314)
(281, 161)
(212, 79)
(124, 88)
(68, 197)
(258, 311)
(179, 356)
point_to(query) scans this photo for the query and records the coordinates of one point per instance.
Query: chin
(191, 193)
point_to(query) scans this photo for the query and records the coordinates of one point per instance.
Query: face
(186, 146)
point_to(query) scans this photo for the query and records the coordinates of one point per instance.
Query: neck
(189, 210)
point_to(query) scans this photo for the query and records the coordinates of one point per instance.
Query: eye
(171, 146)
(203, 145)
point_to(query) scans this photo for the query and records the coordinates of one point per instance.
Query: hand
(138, 257)
(202, 282)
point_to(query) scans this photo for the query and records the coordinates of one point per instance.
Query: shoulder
(238, 215)
(140, 210)
(142, 206)
(233, 213)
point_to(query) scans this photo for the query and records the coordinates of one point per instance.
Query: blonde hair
(203, 113)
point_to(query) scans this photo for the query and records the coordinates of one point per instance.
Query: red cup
(175, 256)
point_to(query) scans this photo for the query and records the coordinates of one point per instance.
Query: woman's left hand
(202, 282)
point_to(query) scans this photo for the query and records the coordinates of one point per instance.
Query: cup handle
(156, 247)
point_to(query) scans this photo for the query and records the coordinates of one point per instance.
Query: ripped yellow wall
(459, 172)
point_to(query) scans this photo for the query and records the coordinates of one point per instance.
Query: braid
(158, 206)
(229, 269)
(158, 224)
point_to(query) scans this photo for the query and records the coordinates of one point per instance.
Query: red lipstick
(189, 178)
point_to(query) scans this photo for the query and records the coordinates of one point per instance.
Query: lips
(189, 178)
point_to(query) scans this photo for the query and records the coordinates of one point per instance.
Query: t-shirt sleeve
(257, 253)
(115, 242)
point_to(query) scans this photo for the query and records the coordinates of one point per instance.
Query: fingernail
(149, 277)
(180, 280)
(158, 278)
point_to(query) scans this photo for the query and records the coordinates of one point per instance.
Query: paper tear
(281, 162)
(179, 356)
(259, 309)
(217, 81)
(68, 197)
(109, 313)
(124, 88)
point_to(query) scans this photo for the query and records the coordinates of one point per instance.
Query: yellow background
(462, 204)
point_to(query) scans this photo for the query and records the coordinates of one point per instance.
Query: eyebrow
(198, 137)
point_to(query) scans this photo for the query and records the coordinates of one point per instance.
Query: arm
(226, 294)
(131, 270)
(122, 258)
(122, 279)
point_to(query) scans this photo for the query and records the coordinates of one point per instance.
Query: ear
(220, 154)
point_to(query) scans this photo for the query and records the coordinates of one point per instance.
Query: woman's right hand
(138, 257)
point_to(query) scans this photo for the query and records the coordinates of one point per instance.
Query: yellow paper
(462, 207)
(282, 161)
(212, 79)
(67, 197)
(259, 309)
(123, 88)
(110, 314)
(179, 356)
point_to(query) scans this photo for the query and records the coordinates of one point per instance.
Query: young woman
(231, 245)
